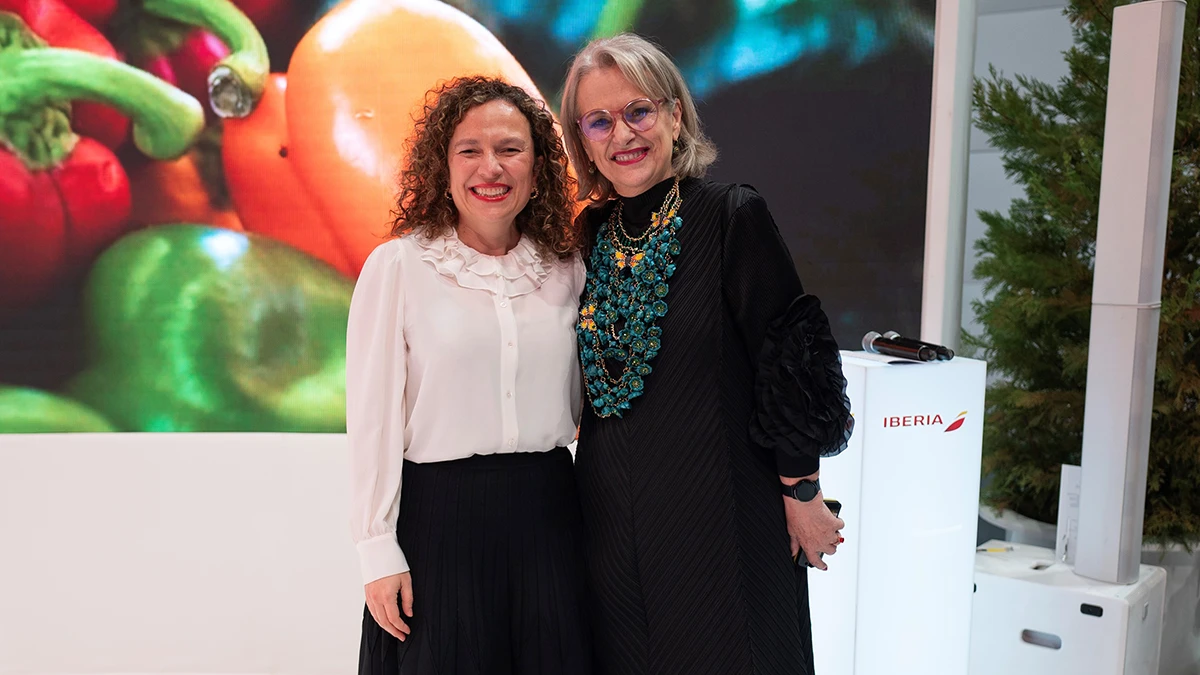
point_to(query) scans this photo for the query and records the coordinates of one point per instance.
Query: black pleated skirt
(495, 549)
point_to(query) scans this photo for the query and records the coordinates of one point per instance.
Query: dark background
(843, 168)
(831, 126)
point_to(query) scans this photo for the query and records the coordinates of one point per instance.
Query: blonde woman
(713, 388)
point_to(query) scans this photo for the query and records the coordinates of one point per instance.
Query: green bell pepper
(32, 411)
(193, 328)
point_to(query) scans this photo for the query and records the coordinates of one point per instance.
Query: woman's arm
(800, 411)
(375, 408)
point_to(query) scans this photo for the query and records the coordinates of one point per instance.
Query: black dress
(688, 552)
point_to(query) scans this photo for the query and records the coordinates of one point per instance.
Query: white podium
(897, 596)
(1033, 615)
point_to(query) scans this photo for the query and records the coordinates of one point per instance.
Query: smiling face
(491, 167)
(632, 160)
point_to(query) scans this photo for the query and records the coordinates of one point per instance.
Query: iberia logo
(925, 421)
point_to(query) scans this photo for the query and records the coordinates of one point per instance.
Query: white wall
(179, 553)
(1025, 37)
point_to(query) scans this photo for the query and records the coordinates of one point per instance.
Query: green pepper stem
(42, 139)
(15, 34)
(237, 81)
(166, 121)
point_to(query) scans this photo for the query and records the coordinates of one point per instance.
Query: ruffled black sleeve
(801, 411)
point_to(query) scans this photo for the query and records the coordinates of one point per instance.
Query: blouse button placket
(508, 372)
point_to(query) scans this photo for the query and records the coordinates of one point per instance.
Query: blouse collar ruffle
(515, 273)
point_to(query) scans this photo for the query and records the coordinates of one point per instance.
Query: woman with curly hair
(463, 386)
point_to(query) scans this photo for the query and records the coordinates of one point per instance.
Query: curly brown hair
(422, 207)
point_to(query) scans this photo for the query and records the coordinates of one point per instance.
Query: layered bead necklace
(623, 301)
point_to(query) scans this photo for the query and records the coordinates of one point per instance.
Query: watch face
(805, 490)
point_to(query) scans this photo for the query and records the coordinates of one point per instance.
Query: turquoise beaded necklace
(623, 301)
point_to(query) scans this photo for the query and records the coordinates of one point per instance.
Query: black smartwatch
(804, 491)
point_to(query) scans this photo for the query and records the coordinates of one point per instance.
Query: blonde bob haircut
(648, 68)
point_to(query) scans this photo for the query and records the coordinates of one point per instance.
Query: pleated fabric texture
(495, 547)
(689, 556)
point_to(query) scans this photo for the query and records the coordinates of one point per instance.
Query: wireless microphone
(877, 344)
(943, 353)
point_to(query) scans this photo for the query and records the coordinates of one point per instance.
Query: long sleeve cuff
(381, 557)
(796, 466)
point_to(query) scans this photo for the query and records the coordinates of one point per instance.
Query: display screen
(194, 274)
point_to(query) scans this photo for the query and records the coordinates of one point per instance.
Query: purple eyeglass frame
(657, 104)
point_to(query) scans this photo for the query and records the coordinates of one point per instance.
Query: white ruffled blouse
(452, 353)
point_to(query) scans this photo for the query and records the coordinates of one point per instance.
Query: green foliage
(1036, 262)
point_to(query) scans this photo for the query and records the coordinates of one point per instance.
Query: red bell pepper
(264, 13)
(237, 80)
(185, 63)
(96, 12)
(59, 26)
(65, 197)
(178, 53)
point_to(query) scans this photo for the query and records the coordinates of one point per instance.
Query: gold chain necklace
(656, 223)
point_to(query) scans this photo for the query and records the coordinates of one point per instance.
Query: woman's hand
(381, 600)
(813, 529)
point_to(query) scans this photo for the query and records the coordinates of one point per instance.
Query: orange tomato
(261, 171)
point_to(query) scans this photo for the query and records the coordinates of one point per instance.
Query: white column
(1139, 134)
(946, 190)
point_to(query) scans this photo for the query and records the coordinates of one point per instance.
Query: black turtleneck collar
(636, 210)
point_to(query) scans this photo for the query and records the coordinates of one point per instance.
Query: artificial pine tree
(1036, 261)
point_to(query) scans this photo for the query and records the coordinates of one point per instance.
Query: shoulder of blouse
(384, 255)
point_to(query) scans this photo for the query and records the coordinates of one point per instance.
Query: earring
(448, 197)
(676, 146)
(534, 195)
(591, 168)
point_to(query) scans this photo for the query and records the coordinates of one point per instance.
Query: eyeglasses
(640, 114)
